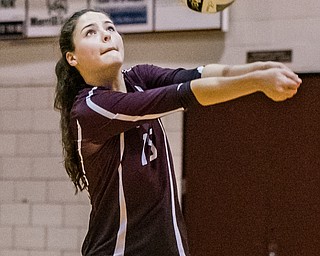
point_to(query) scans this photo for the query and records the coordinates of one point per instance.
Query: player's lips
(108, 50)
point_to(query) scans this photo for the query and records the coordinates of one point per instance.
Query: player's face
(98, 46)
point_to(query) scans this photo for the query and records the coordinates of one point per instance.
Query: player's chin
(113, 60)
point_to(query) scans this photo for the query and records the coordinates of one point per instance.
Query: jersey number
(147, 142)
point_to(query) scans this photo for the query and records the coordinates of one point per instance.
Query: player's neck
(117, 82)
(114, 81)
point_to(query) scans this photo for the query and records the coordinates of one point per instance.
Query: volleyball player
(114, 142)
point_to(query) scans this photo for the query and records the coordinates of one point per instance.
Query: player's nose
(106, 36)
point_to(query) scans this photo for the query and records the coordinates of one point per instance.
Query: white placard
(12, 18)
(173, 15)
(45, 17)
(130, 16)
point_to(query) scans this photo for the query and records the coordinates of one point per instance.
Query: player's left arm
(220, 70)
(152, 76)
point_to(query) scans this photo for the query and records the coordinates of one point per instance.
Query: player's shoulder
(139, 68)
(139, 74)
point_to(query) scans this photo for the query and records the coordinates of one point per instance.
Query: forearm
(278, 83)
(219, 70)
(237, 70)
(213, 90)
(214, 70)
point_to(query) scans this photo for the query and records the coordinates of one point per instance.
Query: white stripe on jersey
(121, 237)
(173, 206)
(123, 117)
(79, 150)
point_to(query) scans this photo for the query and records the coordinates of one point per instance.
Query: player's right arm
(218, 70)
(276, 83)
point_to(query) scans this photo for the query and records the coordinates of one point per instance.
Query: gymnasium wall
(39, 214)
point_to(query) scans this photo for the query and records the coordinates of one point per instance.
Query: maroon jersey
(127, 161)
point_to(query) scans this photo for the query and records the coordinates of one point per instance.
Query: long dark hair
(69, 83)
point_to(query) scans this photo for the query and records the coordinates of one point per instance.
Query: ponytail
(68, 85)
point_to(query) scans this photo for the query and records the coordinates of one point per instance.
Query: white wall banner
(45, 17)
(173, 15)
(12, 18)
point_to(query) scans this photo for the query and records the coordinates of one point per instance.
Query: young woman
(114, 142)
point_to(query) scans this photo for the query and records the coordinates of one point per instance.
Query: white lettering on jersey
(148, 142)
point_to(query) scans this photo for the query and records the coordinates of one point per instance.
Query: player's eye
(90, 32)
(111, 28)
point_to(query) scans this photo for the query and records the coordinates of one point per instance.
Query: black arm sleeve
(186, 96)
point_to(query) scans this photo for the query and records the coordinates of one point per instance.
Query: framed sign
(12, 18)
(128, 15)
(173, 15)
(45, 17)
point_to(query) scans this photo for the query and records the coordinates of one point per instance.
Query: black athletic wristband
(186, 96)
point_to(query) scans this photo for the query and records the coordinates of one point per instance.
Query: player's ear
(71, 58)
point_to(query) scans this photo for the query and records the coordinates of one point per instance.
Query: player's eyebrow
(93, 24)
(87, 26)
